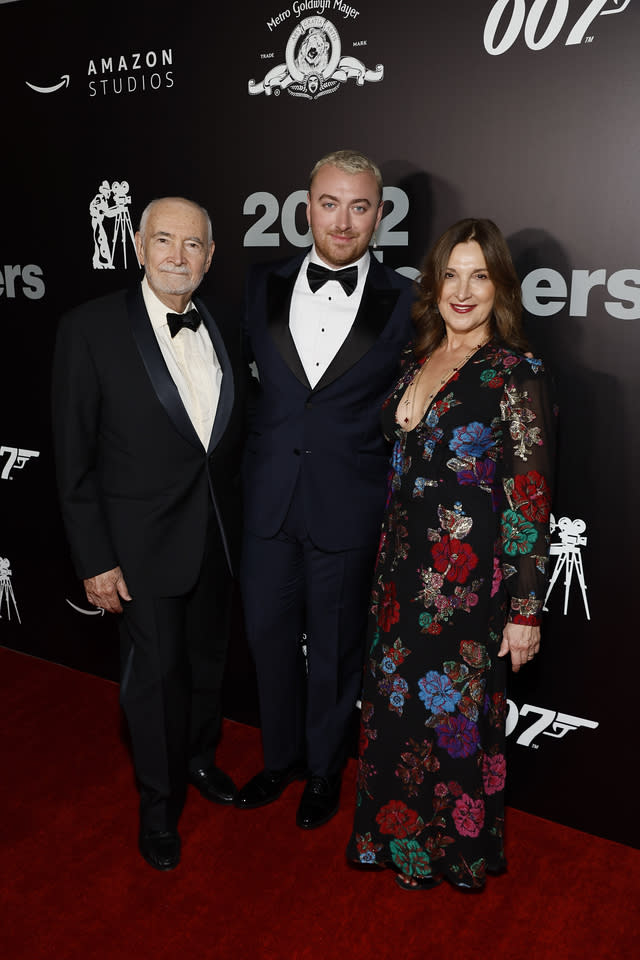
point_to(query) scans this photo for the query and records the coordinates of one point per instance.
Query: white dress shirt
(319, 322)
(192, 364)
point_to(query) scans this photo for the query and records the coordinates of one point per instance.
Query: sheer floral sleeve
(528, 416)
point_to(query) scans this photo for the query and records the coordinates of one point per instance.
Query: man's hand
(106, 589)
(521, 641)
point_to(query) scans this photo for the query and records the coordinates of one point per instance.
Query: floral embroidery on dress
(464, 548)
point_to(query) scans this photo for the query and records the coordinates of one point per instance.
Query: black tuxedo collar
(227, 387)
(376, 306)
(279, 290)
(161, 379)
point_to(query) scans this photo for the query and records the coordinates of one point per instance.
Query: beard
(177, 281)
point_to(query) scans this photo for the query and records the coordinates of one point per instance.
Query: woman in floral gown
(461, 571)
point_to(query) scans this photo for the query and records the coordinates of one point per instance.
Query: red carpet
(251, 884)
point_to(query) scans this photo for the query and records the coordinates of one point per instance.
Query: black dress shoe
(319, 802)
(267, 786)
(160, 848)
(213, 784)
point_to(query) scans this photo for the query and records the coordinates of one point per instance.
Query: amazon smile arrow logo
(64, 82)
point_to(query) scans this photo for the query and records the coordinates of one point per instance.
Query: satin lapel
(376, 306)
(227, 387)
(156, 368)
(279, 291)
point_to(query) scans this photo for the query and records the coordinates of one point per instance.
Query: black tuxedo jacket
(136, 484)
(327, 438)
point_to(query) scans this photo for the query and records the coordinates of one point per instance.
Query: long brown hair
(506, 317)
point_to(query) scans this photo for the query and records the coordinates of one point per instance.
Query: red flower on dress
(453, 558)
(494, 771)
(388, 608)
(397, 819)
(468, 816)
(532, 496)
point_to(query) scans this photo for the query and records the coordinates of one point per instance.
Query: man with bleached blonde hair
(325, 330)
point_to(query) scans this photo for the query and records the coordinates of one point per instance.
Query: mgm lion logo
(313, 66)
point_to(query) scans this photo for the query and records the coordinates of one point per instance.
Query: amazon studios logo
(507, 18)
(314, 65)
(138, 72)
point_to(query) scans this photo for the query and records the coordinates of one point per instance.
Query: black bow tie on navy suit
(318, 275)
(177, 321)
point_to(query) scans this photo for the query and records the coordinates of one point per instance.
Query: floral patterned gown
(464, 547)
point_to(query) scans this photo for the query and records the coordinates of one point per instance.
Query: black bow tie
(318, 275)
(177, 321)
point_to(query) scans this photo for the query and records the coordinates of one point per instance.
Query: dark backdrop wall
(525, 111)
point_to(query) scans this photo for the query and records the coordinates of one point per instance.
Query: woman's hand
(521, 641)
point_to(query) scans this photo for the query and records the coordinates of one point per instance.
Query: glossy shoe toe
(319, 803)
(214, 784)
(415, 884)
(160, 848)
(267, 786)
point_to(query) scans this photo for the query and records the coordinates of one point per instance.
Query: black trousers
(173, 652)
(291, 587)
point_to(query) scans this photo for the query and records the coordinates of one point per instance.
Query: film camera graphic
(111, 203)
(568, 557)
(7, 597)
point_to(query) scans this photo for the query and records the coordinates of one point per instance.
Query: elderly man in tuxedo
(325, 330)
(148, 420)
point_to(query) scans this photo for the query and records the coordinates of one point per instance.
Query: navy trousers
(291, 588)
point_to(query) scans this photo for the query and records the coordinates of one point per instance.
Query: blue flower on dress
(418, 487)
(397, 458)
(368, 856)
(396, 699)
(472, 441)
(388, 665)
(437, 693)
(431, 443)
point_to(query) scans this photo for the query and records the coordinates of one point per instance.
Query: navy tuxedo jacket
(135, 481)
(328, 437)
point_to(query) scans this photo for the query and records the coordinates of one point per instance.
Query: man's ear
(139, 247)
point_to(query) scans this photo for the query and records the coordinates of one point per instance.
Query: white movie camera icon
(6, 590)
(568, 557)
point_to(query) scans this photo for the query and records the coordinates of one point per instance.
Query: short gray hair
(149, 207)
(349, 161)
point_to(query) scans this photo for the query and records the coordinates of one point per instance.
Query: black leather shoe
(160, 848)
(319, 802)
(267, 786)
(214, 784)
